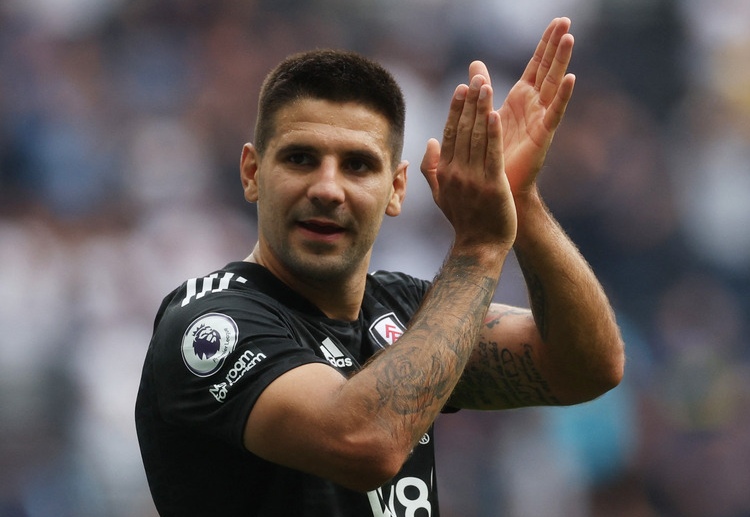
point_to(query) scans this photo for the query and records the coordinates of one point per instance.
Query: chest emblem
(387, 329)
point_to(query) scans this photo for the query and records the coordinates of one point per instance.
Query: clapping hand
(535, 105)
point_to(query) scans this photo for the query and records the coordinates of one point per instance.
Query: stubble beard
(323, 266)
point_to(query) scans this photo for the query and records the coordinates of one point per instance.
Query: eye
(357, 165)
(300, 159)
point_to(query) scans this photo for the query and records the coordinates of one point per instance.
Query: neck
(337, 299)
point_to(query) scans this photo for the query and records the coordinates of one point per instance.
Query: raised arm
(359, 431)
(568, 349)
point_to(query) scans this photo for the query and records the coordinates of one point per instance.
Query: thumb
(430, 162)
(430, 159)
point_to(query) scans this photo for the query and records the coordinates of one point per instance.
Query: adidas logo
(334, 356)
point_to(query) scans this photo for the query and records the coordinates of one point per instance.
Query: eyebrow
(296, 148)
(361, 154)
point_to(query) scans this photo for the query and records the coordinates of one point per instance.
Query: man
(294, 382)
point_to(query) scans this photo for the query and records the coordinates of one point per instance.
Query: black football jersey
(218, 341)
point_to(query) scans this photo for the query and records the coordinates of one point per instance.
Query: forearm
(582, 353)
(415, 377)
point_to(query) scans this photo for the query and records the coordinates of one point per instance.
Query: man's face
(322, 187)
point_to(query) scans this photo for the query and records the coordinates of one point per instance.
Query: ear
(249, 172)
(399, 190)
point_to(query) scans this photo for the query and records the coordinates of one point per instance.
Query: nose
(325, 184)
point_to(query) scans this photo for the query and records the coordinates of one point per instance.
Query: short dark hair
(336, 76)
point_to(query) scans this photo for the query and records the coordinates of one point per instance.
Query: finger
(431, 157)
(494, 163)
(478, 145)
(550, 50)
(530, 73)
(465, 128)
(557, 69)
(479, 68)
(451, 124)
(429, 164)
(556, 110)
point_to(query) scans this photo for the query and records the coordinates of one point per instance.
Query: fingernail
(483, 92)
(460, 92)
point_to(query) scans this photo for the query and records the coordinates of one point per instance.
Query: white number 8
(420, 502)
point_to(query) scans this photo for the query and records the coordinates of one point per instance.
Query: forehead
(326, 124)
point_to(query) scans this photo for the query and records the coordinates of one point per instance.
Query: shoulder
(237, 284)
(391, 299)
(236, 300)
(397, 283)
(214, 331)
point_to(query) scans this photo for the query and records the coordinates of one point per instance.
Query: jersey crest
(387, 329)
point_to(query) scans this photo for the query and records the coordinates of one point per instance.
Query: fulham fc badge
(387, 329)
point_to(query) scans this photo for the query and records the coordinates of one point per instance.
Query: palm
(535, 105)
(526, 137)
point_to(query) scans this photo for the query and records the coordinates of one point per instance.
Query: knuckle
(464, 127)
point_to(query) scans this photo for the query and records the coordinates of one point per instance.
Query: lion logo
(207, 342)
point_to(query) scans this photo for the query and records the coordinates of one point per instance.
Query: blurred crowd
(121, 126)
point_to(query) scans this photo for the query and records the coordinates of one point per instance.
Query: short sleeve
(211, 361)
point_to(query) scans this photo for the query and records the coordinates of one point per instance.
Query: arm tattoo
(505, 375)
(494, 319)
(414, 385)
(405, 388)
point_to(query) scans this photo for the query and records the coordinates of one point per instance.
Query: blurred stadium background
(121, 125)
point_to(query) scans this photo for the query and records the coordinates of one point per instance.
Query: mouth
(321, 227)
